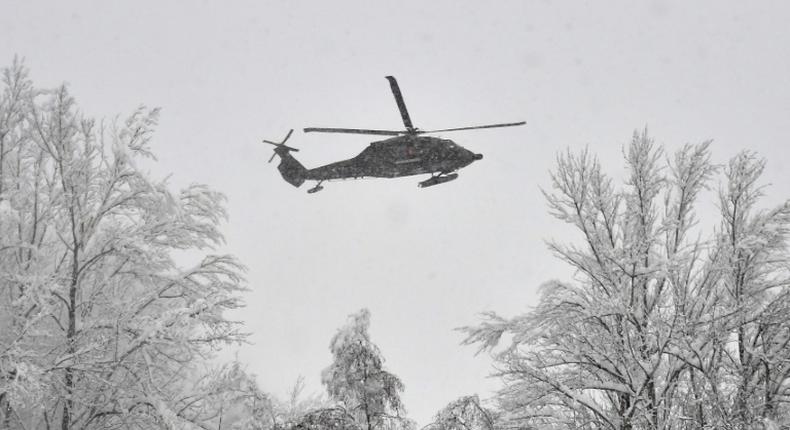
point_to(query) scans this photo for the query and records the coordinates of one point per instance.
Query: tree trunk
(2, 162)
(768, 408)
(68, 382)
(5, 407)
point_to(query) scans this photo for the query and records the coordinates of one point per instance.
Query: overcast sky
(424, 261)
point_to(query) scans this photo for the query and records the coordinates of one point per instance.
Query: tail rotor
(281, 148)
(290, 168)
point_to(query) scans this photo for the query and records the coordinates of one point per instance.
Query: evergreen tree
(357, 379)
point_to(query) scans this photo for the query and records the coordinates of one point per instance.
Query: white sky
(424, 261)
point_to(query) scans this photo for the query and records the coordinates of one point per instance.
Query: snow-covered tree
(233, 395)
(240, 404)
(464, 413)
(747, 361)
(15, 382)
(297, 405)
(659, 329)
(330, 418)
(357, 380)
(99, 326)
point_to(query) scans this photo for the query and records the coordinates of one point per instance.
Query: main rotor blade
(355, 131)
(404, 114)
(509, 124)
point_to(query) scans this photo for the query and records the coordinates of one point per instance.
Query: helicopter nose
(478, 156)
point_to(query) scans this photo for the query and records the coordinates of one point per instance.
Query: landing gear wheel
(316, 188)
(438, 179)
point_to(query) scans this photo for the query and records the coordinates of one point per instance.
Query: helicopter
(407, 153)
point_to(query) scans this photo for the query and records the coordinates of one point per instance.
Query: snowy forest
(664, 321)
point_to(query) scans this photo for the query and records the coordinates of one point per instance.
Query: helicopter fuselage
(405, 155)
(408, 153)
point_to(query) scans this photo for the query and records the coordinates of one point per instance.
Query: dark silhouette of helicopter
(407, 153)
